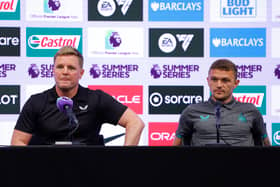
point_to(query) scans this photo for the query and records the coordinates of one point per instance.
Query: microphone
(65, 105)
(218, 116)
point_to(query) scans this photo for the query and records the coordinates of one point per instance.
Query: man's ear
(236, 83)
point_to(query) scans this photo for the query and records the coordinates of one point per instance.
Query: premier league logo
(277, 71)
(95, 71)
(115, 39)
(33, 71)
(156, 71)
(54, 4)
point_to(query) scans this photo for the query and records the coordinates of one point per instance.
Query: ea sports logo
(33, 42)
(167, 43)
(106, 7)
(276, 137)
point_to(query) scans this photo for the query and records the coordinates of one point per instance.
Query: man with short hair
(221, 120)
(40, 116)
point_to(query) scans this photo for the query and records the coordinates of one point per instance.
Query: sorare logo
(238, 42)
(9, 41)
(252, 94)
(176, 10)
(10, 10)
(9, 99)
(115, 10)
(173, 99)
(162, 133)
(44, 42)
(176, 42)
(129, 95)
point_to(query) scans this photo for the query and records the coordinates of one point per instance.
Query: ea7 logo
(167, 42)
(108, 7)
(8, 5)
(53, 41)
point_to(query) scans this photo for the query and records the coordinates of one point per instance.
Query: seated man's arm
(177, 141)
(134, 126)
(266, 142)
(20, 138)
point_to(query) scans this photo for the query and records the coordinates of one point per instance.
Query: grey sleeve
(259, 128)
(185, 127)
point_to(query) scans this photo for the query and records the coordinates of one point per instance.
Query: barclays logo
(166, 10)
(238, 42)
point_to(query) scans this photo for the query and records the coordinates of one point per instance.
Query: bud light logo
(5, 68)
(43, 71)
(176, 42)
(113, 71)
(166, 10)
(247, 71)
(175, 71)
(240, 8)
(252, 94)
(238, 42)
(112, 40)
(44, 42)
(51, 5)
(277, 71)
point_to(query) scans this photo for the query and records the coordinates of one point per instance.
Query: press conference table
(139, 166)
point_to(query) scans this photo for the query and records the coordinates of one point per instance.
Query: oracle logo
(125, 99)
(162, 133)
(161, 136)
(129, 95)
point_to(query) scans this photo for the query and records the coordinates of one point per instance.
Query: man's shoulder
(246, 106)
(205, 105)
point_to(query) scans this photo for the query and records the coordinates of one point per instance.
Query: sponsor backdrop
(151, 55)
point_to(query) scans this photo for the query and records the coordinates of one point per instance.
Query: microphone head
(64, 102)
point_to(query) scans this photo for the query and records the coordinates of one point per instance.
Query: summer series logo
(176, 10)
(176, 43)
(115, 10)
